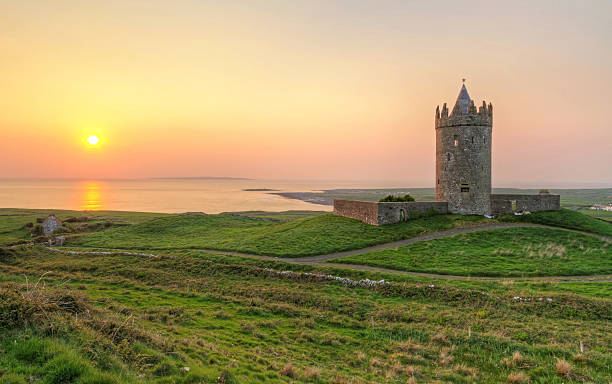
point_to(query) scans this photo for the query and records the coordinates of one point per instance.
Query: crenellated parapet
(482, 115)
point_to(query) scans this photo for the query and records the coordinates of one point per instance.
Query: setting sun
(93, 140)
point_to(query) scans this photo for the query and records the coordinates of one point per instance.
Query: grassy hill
(499, 252)
(13, 221)
(564, 218)
(192, 317)
(301, 237)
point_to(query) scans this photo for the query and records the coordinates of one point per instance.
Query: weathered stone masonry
(377, 213)
(505, 203)
(463, 156)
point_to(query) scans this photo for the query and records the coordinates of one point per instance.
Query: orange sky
(301, 89)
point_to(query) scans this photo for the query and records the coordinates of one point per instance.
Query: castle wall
(366, 211)
(377, 213)
(390, 212)
(503, 203)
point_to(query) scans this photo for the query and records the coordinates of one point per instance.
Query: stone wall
(377, 213)
(366, 211)
(506, 203)
(390, 213)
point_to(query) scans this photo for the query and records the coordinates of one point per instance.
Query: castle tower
(463, 156)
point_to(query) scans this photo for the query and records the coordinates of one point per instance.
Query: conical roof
(463, 101)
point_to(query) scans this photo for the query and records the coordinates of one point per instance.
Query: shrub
(396, 199)
(37, 230)
(37, 306)
(14, 310)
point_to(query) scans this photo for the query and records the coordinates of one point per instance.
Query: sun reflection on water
(91, 196)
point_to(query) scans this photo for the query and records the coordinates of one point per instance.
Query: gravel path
(321, 259)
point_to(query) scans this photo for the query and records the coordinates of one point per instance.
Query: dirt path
(321, 259)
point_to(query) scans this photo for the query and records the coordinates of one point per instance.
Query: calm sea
(167, 195)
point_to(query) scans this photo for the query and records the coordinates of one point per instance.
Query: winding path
(321, 259)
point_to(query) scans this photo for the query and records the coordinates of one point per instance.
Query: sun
(93, 140)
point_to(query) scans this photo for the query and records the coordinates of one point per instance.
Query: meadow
(193, 317)
(184, 315)
(529, 251)
(301, 237)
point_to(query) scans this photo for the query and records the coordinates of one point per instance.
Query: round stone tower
(463, 156)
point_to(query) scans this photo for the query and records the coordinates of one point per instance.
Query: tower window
(465, 189)
(438, 181)
(448, 156)
(472, 139)
(456, 140)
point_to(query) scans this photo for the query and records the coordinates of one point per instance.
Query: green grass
(302, 237)
(603, 215)
(284, 216)
(12, 220)
(498, 252)
(564, 218)
(127, 319)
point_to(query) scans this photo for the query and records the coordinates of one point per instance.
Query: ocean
(168, 195)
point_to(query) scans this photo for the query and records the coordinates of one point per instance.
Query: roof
(463, 100)
(52, 217)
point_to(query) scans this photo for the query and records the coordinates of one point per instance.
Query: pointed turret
(463, 102)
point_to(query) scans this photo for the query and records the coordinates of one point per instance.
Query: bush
(36, 306)
(37, 230)
(396, 199)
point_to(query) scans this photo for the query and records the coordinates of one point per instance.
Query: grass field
(12, 221)
(192, 317)
(603, 215)
(301, 237)
(499, 252)
(564, 218)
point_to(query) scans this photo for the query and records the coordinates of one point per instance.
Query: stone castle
(463, 173)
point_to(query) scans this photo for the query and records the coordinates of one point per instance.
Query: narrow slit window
(472, 139)
(438, 181)
(448, 157)
(456, 140)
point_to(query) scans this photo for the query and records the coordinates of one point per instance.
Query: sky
(333, 90)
